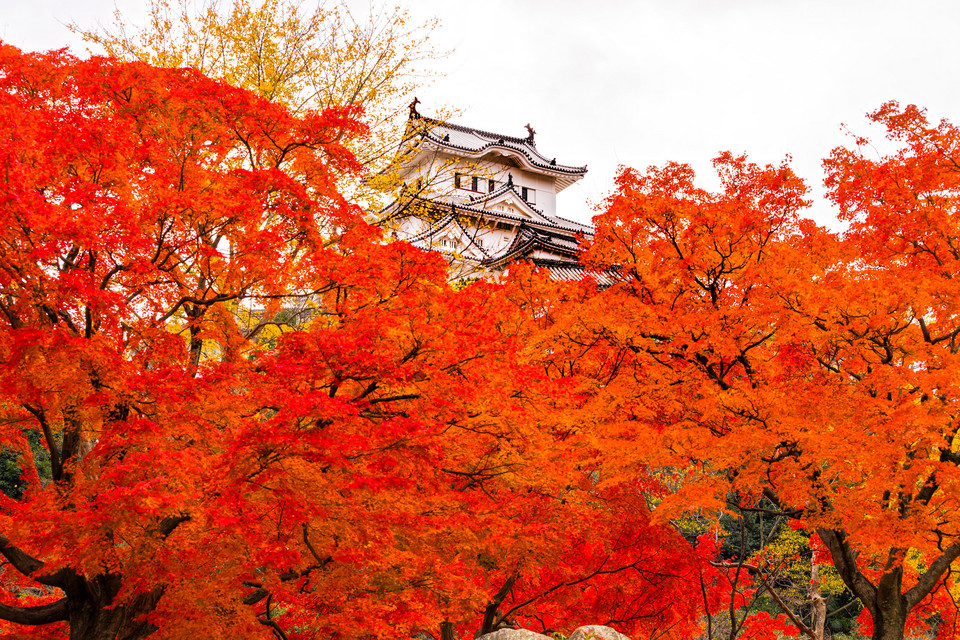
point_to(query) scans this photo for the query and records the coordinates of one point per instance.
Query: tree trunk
(817, 602)
(889, 610)
(887, 604)
(490, 621)
(889, 625)
(446, 631)
(91, 616)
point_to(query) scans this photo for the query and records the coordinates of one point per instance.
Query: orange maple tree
(751, 352)
(261, 418)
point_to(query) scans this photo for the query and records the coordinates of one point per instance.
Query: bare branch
(42, 614)
(931, 576)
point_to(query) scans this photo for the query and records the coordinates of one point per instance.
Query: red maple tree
(260, 417)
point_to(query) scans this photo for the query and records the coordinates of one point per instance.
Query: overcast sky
(606, 83)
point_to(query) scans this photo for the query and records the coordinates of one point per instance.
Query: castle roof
(528, 240)
(546, 246)
(469, 142)
(479, 208)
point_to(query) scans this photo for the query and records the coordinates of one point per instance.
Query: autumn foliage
(758, 355)
(238, 410)
(260, 418)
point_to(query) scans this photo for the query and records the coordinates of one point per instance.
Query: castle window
(468, 183)
(492, 184)
(530, 195)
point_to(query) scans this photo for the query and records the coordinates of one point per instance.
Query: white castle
(484, 200)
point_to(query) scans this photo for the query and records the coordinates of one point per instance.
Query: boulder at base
(518, 634)
(596, 632)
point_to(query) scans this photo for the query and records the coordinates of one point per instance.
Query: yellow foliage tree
(303, 58)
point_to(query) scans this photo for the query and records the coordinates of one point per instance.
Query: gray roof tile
(469, 139)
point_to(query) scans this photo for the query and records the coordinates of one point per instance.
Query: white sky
(607, 82)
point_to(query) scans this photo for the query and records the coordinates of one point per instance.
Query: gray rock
(514, 634)
(596, 632)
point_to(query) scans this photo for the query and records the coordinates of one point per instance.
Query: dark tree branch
(794, 618)
(274, 627)
(322, 561)
(931, 576)
(170, 523)
(43, 614)
(845, 561)
(490, 613)
(56, 465)
(255, 596)
(28, 565)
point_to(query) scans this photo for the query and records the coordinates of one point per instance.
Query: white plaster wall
(437, 168)
(443, 186)
(545, 186)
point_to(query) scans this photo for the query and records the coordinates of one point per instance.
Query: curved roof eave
(541, 218)
(525, 243)
(564, 176)
(434, 228)
(477, 143)
(532, 160)
(546, 222)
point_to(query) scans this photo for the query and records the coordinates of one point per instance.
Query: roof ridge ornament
(530, 134)
(414, 114)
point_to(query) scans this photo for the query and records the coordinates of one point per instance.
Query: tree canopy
(391, 463)
(230, 406)
(757, 355)
(303, 58)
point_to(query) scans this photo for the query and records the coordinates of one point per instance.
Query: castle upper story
(465, 165)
